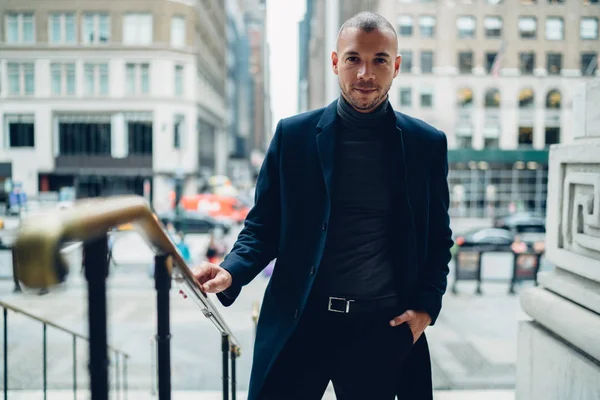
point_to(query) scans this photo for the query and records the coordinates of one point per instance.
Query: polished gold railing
(41, 265)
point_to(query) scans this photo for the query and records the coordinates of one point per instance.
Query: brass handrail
(41, 265)
(55, 326)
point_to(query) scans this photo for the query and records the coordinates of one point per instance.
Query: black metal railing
(120, 370)
(40, 265)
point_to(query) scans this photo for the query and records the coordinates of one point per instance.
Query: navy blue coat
(292, 208)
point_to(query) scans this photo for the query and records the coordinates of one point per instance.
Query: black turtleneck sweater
(357, 261)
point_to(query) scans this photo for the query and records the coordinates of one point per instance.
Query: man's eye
(380, 60)
(352, 59)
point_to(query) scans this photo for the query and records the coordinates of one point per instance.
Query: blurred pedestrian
(352, 201)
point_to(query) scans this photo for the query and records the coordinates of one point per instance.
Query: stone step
(216, 395)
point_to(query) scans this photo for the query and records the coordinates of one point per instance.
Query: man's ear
(397, 64)
(334, 62)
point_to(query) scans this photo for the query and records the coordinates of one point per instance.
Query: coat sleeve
(258, 241)
(433, 280)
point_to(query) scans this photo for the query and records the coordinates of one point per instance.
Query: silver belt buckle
(340, 311)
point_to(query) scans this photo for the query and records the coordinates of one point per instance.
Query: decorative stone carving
(566, 307)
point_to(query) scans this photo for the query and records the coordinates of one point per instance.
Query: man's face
(366, 64)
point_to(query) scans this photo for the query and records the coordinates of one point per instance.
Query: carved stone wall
(559, 350)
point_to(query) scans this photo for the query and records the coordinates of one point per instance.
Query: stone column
(559, 349)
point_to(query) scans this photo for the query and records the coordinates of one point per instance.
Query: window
(555, 28)
(19, 28)
(137, 29)
(588, 2)
(178, 31)
(464, 135)
(553, 99)
(178, 131)
(525, 136)
(426, 97)
(83, 135)
(63, 78)
(528, 27)
(406, 97)
(552, 135)
(21, 131)
(427, 62)
(96, 79)
(464, 98)
(526, 98)
(465, 26)
(407, 64)
(554, 63)
(588, 28)
(139, 135)
(465, 62)
(492, 98)
(138, 79)
(96, 28)
(526, 62)
(405, 25)
(589, 64)
(427, 26)
(493, 27)
(21, 78)
(62, 28)
(178, 80)
(491, 143)
(489, 61)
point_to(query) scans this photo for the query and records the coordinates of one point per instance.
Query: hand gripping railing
(40, 265)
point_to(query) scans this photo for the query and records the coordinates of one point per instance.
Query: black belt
(350, 306)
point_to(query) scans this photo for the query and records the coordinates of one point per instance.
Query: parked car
(521, 222)
(193, 222)
(486, 239)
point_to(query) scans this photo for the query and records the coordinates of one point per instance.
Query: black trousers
(360, 353)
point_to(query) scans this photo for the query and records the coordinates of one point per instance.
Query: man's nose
(364, 72)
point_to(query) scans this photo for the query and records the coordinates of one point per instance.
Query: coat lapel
(326, 135)
(405, 161)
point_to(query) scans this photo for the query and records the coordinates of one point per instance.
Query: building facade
(239, 93)
(497, 76)
(112, 98)
(260, 109)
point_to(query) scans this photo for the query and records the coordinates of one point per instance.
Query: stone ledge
(580, 290)
(574, 324)
(551, 369)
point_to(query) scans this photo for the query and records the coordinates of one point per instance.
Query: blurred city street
(473, 343)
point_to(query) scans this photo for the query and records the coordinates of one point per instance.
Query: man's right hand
(212, 278)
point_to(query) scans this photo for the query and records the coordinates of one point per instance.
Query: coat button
(296, 313)
(324, 227)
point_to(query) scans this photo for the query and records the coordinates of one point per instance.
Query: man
(352, 201)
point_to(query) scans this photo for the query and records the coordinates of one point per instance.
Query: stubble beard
(365, 106)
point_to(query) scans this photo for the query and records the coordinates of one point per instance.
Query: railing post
(5, 354)
(117, 380)
(162, 283)
(225, 351)
(96, 272)
(45, 360)
(234, 355)
(74, 367)
(125, 376)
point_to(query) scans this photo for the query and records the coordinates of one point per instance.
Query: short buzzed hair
(367, 21)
